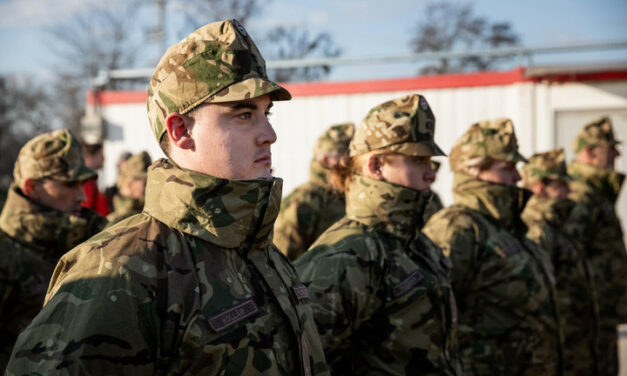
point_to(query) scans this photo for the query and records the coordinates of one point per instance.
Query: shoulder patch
(233, 315)
(301, 291)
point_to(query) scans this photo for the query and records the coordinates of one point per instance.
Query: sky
(361, 28)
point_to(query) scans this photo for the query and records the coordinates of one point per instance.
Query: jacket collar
(44, 229)
(501, 202)
(318, 175)
(605, 182)
(385, 206)
(545, 209)
(228, 213)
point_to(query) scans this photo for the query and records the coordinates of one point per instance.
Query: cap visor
(519, 158)
(250, 88)
(418, 149)
(84, 173)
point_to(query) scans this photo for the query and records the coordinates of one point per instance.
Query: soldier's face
(500, 172)
(604, 156)
(410, 172)
(63, 196)
(553, 188)
(232, 140)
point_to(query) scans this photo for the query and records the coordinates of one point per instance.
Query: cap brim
(517, 157)
(250, 88)
(418, 149)
(84, 173)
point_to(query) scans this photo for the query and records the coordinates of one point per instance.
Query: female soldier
(380, 289)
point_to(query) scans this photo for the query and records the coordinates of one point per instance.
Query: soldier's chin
(266, 173)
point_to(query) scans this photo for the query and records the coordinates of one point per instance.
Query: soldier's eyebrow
(247, 105)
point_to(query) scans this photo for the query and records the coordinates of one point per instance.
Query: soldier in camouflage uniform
(193, 285)
(503, 283)
(314, 206)
(545, 215)
(42, 219)
(131, 188)
(380, 289)
(593, 221)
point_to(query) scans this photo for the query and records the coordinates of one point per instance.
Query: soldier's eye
(244, 116)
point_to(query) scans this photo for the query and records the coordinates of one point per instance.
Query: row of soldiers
(195, 285)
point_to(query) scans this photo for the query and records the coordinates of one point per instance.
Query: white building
(547, 105)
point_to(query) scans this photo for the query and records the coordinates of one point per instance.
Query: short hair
(475, 165)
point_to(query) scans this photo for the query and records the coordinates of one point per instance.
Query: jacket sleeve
(459, 237)
(95, 322)
(342, 280)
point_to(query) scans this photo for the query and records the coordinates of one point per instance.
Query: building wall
(538, 110)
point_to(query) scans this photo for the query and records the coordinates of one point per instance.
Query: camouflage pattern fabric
(380, 290)
(549, 165)
(594, 223)
(32, 238)
(56, 155)
(334, 140)
(124, 207)
(491, 138)
(306, 213)
(505, 289)
(405, 125)
(595, 133)
(576, 292)
(433, 206)
(219, 62)
(136, 167)
(191, 286)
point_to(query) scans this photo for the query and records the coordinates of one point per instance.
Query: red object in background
(95, 199)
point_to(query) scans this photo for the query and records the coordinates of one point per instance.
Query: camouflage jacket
(193, 285)
(32, 238)
(576, 294)
(433, 206)
(306, 213)
(593, 221)
(124, 207)
(380, 290)
(503, 283)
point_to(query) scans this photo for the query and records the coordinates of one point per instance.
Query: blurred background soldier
(131, 188)
(379, 288)
(112, 190)
(503, 283)
(314, 206)
(41, 220)
(435, 203)
(594, 223)
(545, 215)
(95, 200)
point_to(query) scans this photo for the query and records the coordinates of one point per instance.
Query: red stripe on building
(442, 81)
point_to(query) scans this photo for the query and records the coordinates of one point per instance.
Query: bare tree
(295, 43)
(24, 112)
(98, 39)
(201, 12)
(450, 26)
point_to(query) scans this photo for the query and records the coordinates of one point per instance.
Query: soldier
(314, 206)
(593, 221)
(131, 188)
(193, 285)
(42, 219)
(435, 203)
(504, 287)
(379, 288)
(545, 215)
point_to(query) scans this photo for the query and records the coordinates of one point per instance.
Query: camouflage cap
(405, 125)
(56, 155)
(219, 62)
(598, 132)
(491, 138)
(335, 139)
(136, 166)
(547, 165)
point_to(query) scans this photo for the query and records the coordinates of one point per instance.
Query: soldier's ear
(373, 166)
(29, 189)
(179, 130)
